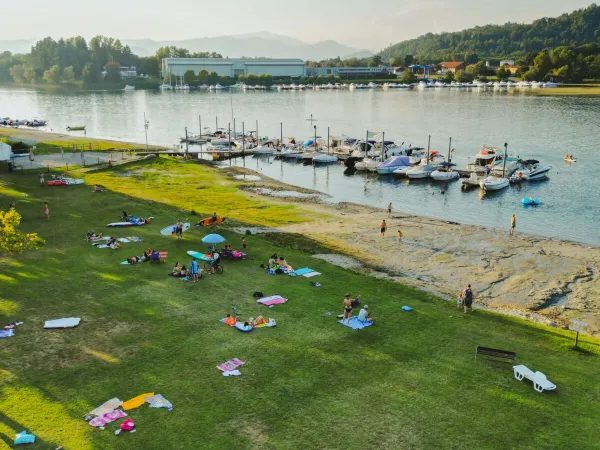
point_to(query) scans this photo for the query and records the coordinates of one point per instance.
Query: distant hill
(510, 39)
(257, 44)
(262, 43)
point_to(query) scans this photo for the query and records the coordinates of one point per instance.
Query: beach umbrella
(213, 239)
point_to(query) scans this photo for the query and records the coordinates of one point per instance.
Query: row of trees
(74, 59)
(489, 41)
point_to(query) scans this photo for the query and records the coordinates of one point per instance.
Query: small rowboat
(78, 128)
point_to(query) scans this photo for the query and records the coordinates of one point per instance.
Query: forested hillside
(498, 41)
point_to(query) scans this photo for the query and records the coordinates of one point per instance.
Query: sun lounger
(540, 382)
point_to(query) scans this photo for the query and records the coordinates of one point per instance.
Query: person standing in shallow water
(513, 224)
(383, 227)
(389, 209)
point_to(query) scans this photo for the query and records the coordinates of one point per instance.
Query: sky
(370, 25)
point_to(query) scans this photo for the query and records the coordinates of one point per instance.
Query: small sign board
(579, 326)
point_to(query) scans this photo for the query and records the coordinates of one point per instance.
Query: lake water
(543, 128)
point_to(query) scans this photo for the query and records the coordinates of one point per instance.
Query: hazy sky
(368, 24)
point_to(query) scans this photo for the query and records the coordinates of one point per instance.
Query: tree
(408, 77)
(189, 76)
(30, 75)
(503, 73)
(408, 60)
(449, 78)
(68, 75)
(396, 61)
(90, 73)
(203, 77)
(531, 75)
(561, 73)
(542, 64)
(52, 75)
(17, 72)
(375, 61)
(113, 72)
(150, 66)
(463, 77)
(11, 239)
(594, 68)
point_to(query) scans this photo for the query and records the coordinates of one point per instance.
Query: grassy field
(410, 381)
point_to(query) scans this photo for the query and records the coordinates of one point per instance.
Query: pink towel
(107, 418)
(230, 365)
(272, 300)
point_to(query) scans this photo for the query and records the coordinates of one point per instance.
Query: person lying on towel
(91, 236)
(258, 321)
(133, 260)
(113, 243)
(231, 321)
(364, 315)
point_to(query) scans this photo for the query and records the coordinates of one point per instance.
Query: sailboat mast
(328, 140)
(504, 165)
(449, 150)
(200, 125)
(428, 145)
(382, 145)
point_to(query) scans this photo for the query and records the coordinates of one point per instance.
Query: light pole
(315, 142)
(146, 123)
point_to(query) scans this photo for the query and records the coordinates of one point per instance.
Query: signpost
(578, 326)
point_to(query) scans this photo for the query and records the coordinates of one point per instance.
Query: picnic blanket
(6, 333)
(158, 401)
(68, 322)
(355, 324)
(230, 365)
(303, 271)
(272, 300)
(311, 274)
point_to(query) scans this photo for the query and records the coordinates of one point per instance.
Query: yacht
(423, 170)
(484, 159)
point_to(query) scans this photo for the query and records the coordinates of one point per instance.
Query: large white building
(233, 67)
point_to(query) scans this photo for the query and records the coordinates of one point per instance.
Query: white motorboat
(129, 88)
(165, 87)
(445, 172)
(421, 171)
(266, 148)
(484, 159)
(474, 180)
(367, 164)
(324, 158)
(530, 171)
(494, 183)
(393, 163)
(401, 171)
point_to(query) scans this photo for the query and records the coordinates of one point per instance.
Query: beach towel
(68, 322)
(355, 324)
(311, 274)
(24, 438)
(107, 418)
(272, 300)
(123, 240)
(134, 239)
(303, 271)
(136, 401)
(231, 373)
(158, 401)
(106, 407)
(269, 324)
(230, 365)
(6, 333)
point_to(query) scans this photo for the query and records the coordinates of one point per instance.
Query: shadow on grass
(17, 427)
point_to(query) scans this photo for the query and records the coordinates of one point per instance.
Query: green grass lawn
(410, 381)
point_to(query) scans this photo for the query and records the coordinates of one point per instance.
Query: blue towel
(355, 324)
(303, 271)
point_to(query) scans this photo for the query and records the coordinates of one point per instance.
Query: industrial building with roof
(234, 67)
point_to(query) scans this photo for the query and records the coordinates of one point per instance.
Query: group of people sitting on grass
(180, 271)
(229, 252)
(278, 264)
(149, 255)
(251, 322)
(354, 303)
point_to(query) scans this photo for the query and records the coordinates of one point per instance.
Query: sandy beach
(540, 279)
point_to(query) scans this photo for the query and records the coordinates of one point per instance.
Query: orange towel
(136, 401)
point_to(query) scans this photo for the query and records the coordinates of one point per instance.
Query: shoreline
(543, 280)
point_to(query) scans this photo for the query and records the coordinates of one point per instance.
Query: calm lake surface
(543, 128)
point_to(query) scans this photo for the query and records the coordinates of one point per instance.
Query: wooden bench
(162, 258)
(495, 354)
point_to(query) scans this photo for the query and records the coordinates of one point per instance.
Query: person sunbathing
(133, 260)
(231, 321)
(258, 321)
(112, 243)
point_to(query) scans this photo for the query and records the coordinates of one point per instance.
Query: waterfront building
(351, 72)
(234, 67)
(453, 66)
(507, 62)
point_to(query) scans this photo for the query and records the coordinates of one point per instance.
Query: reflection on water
(543, 128)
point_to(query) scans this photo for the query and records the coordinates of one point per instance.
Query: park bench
(495, 354)
(162, 258)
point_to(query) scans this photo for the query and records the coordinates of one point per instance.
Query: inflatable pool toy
(210, 221)
(167, 231)
(64, 182)
(245, 329)
(406, 308)
(571, 159)
(200, 256)
(530, 201)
